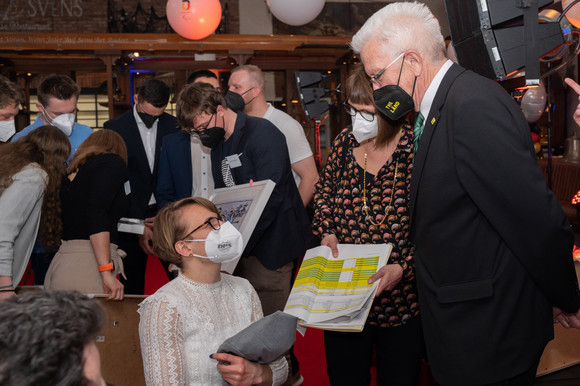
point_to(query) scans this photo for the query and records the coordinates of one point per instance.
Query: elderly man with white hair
(493, 247)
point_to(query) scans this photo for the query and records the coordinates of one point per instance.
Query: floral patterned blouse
(338, 207)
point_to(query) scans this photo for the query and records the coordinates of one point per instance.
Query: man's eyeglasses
(214, 222)
(201, 127)
(366, 115)
(375, 78)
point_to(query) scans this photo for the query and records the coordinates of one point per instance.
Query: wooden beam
(108, 61)
(60, 42)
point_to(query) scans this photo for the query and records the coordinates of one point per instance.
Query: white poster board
(242, 205)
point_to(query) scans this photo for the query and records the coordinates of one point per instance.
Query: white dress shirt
(202, 178)
(148, 137)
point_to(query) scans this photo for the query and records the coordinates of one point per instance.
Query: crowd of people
(475, 281)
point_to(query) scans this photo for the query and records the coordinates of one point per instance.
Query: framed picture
(242, 205)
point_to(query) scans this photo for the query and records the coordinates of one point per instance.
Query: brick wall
(91, 16)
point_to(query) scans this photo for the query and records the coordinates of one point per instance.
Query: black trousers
(527, 378)
(399, 351)
(135, 264)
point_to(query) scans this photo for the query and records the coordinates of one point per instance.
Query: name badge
(127, 188)
(234, 161)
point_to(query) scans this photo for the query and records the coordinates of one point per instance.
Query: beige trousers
(75, 267)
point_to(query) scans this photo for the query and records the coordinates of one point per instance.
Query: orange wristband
(106, 267)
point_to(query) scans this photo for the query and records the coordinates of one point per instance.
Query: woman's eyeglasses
(366, 115)
(214, 222)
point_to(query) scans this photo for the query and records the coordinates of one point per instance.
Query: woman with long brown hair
(31, 170)
(94, 198)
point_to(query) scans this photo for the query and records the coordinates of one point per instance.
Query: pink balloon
(194, 19)
(573, 14)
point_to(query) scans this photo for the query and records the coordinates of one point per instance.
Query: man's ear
(415, 60)
(135, 98)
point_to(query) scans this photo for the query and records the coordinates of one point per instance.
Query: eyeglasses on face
(201, 127)
(352, 111)
(375, 79)
(214, 222)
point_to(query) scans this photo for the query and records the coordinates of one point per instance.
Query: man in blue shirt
(57, 105)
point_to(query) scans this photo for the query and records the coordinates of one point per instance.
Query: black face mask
(393, 101)
(235, 101)
(147, 119)
(212, 136)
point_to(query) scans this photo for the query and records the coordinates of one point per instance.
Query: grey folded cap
(265, 340)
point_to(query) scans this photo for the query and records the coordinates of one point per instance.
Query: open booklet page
(333, 293)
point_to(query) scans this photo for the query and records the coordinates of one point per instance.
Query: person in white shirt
(248, 81)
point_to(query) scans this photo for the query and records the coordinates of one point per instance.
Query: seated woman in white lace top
(185, 321)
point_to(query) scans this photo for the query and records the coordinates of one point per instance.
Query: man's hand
(565, 319)
(576, 87)
(145, 240)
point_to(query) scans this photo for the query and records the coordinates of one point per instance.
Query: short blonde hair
(171, 227)
(254, 73)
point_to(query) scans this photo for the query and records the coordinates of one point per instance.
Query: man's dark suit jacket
(143, 182)
(175, 173)
(493, 247)
(283, 230)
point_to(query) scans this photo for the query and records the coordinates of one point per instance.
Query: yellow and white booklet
(333, 293)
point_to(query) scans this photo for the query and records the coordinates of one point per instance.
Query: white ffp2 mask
(222, 245)
(363, 129)
(7, 130)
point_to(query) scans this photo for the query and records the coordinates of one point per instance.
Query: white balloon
(295, 12)
(534, 103)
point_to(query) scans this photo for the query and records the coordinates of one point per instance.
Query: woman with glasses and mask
(185, 321)
(94, 198)
(362, 198)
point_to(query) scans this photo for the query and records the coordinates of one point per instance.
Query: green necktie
(417, 131)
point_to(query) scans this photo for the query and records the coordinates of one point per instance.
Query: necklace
(365, 208)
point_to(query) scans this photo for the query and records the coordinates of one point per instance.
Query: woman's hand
(6, 294)
(389, 275)
(113, 286)
(241, 372)
(331, 241)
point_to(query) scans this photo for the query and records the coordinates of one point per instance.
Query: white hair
(402, 26)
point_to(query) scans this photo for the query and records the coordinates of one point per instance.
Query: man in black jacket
(493, 248)
(142, 128)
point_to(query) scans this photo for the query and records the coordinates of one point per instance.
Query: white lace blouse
(186, 321)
